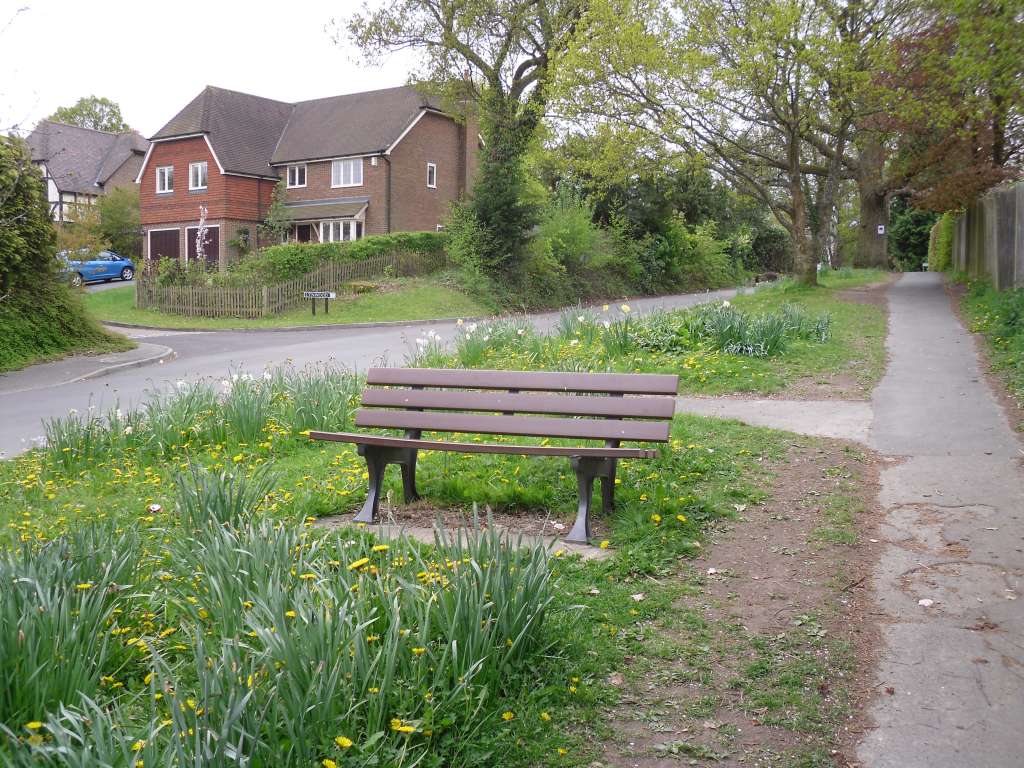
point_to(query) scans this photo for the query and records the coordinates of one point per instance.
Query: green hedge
(48, 321)
(940, 244)
(290, 260)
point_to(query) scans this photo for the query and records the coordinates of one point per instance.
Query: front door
(303, 233)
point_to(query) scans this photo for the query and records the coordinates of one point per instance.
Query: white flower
(234, 377)
(421, 342)
(625, 308)
(459, 321)
(128, 430)
(487, 338)
(580, 318)
(607, 324)
(181, 384)
(267, 376)
(471, 327)
(521, 331)
(72, 411)
(119, 414)
(574, 343)
(726, 304)
(226, 385)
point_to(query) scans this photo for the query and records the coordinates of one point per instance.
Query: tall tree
(738, 81)
(496, 55)
(96, 112)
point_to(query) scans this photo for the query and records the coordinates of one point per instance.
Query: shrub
(1000, 316)
(940, 244)
(290, 260)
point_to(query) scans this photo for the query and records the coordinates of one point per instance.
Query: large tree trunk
(806, 266)
(873, 230)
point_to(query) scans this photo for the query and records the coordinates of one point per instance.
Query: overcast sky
(152, 58)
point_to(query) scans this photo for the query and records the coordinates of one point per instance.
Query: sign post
(314, 295)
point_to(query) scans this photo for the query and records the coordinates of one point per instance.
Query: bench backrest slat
(658, 407)
(536, 381)
(532, 426)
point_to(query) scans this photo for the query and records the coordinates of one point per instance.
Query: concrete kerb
(164, 355)
(721, 293)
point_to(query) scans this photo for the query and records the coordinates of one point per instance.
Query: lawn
(209, 612)
(402, 299)
(781, 338)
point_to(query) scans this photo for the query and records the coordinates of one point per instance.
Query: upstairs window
(432, 175)
(165, 179)
(197, 175)
(347, 173)
(296, 176)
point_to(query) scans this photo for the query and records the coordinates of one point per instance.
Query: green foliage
(278, 223)
(27, 242)
(48, 321)
(96, 112)
(909, 231)
(119, 222)
(940, 243)
(687, 259)
(999, 315)
(220, 498)
(290, 260)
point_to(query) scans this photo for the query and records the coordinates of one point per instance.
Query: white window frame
(288, 175)
(338, 172)
(432, 175)
(347, 230)
(204, 173)
(164, 173)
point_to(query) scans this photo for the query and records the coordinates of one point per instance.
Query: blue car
(88, 268)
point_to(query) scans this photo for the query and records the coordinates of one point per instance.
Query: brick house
(352, 165)
(80, 164)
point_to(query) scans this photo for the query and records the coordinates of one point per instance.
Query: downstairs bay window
(344, 229)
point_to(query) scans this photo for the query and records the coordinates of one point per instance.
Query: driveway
(96, 287)
(217, 353)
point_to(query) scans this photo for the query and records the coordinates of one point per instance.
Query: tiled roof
(248, 133)
(242, 128)
(82, 159)
(353, 124)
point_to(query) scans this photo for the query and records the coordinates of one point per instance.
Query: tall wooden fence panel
(989, 238)
(263, 300)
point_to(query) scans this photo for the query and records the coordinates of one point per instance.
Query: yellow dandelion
(545, 717)
(604, 544)
(328, 763)
(381, 548)
(343, 741)
(358, 563)
(419, 651)
(508, 716)
(34, 725)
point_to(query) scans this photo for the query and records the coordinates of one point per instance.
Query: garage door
(163, 244)
(211, 246)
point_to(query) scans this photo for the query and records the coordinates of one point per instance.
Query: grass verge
(49, 323)
(188, 612)
(808, 342)
(402, 299)
(999, 317)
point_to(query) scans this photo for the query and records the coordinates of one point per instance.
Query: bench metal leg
(409, 477)
(376, 461)
(608, 491)
(587, 470)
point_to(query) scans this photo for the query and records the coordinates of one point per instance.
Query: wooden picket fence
(264, 300)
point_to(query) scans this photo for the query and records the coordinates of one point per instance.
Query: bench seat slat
(540, 381)
(569, 405)
(506, 448)
(532, 426)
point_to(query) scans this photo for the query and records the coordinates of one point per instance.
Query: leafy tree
(119, 220)
(84, 232)
(26, 230)
(742, 84)
(495, 56)
(278, 223)
(94, 112)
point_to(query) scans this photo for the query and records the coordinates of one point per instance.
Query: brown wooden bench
(578, 406)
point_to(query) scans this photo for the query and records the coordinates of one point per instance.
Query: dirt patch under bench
(772, 656)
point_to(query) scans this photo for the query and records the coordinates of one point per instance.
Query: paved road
(95, 287)
(954, 527)
(216, 353)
